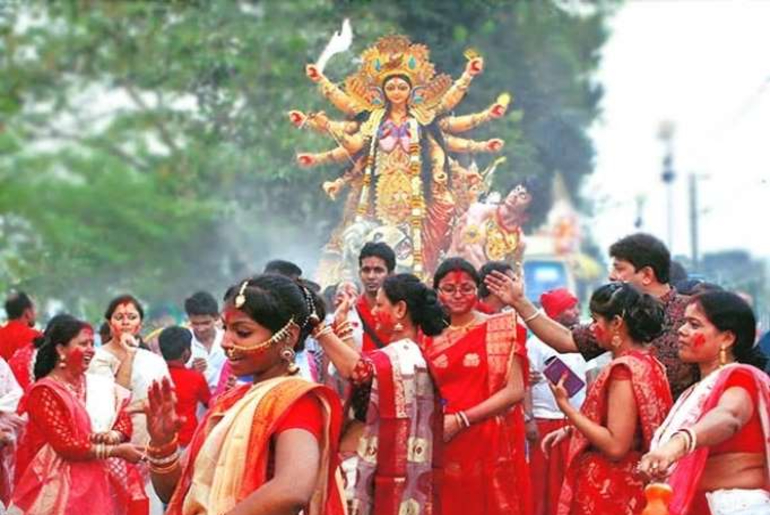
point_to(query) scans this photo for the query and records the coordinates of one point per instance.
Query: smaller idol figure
(491, 230)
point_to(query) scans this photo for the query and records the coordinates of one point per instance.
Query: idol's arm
(455, 93)
(469, 146)
(337, 97)
(457, 124)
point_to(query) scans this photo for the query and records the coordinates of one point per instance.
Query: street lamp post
(666, 136)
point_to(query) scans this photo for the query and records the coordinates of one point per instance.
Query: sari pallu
(593, 483)
(398, 464)
(52, 485)
(484, 466)
(230, 453)
(691, 407)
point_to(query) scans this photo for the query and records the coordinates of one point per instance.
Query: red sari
(55, 474)
(231, 454)
(595, 485)
(485, 468)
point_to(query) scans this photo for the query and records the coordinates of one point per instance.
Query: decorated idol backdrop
(154, 145)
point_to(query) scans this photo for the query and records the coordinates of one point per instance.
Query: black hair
(105, 332)
(677, 272)
(201, 303)
(455, 264)
(729, 312)
(691, 287)
(422, 302)
(643, 250)
(40, 340)
(174, 341)
(282, 267)
(60, 332)
(271, 300)
(379, 250)
(488, 268)
(16, 304)
(642, 313)
(123, 299)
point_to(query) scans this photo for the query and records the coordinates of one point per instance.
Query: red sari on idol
(56, 475)
(691, 406)
(231, 454)
(593, 484)
(485, 468)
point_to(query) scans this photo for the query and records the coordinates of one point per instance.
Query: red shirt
(191, 388)
(15, 335)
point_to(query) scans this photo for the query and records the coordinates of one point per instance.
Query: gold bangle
(164, 450)
(163, 470)
(531, 317)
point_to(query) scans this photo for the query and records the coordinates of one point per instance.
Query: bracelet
(321, 330)
(164, 460)
(164, 450)
(531, 317)
(162, 470)
(690, 439)
(464, 419)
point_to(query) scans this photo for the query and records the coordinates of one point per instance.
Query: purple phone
(556, 368)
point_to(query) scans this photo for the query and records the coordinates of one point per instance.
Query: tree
(144, 145)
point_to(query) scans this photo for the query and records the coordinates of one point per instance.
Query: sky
(703, 65)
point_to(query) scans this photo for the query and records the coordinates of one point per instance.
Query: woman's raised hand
(507, 289)
(163, 423)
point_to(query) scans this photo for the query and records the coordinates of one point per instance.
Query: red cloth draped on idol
(396, 140)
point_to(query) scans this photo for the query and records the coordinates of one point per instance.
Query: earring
(288, 355)
(616, 341)
(723, 356)
(398, 326)
(62, 361)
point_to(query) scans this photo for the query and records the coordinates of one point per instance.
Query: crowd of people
(390, 396)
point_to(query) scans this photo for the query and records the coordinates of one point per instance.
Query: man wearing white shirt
(207, 354)
(543, 415)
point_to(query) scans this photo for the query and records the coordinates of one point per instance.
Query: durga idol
(397, 138)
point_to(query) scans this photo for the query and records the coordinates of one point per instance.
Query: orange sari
(485, 468)
(595, 485)
(230, 454)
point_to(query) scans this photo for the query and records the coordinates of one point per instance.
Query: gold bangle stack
(103, 451)
(344, 331)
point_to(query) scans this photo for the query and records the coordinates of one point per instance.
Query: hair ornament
(240, 299)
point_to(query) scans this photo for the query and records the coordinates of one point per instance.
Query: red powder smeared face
(79, 352)
(230, 313)
(457, 291)
(125, 319)
(698, 340)
(384, 316)
(599, 332)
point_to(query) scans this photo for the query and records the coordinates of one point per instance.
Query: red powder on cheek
(384, 321)
(698, 340)
(598, 331)
(76, 357)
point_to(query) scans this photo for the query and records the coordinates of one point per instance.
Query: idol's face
(397, 90)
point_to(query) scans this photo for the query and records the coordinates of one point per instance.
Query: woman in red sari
(268, 447)
(64, 464)
(623, 407)
(479, 363)
(715, 443)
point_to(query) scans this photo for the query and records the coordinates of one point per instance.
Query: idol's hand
(508, 289)
(319, 120)
(332, 188)
(306, 160)
(313, 73)
(495, 145)
(553, 439)
(475, 66)
(297, 118)
(163, 423)
(655, 464)
(497, 110)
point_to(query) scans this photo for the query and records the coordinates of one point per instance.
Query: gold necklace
(464, 326)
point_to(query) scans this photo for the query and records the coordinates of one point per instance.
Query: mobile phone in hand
(555, 369)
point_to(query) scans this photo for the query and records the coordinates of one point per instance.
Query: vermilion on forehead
(127, 306)
(457, 277)
(87, 330)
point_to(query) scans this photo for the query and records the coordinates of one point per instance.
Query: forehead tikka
(240, 299)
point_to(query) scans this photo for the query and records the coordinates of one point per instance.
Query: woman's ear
(400, 309)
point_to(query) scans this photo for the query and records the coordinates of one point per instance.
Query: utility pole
(693, 187)
(666, 136)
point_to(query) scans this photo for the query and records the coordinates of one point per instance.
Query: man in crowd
(644, 262)
(375, 262)
(20, 330)
(207, 355)
(543, 415)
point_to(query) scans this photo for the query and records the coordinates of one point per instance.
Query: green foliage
(144, 145)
